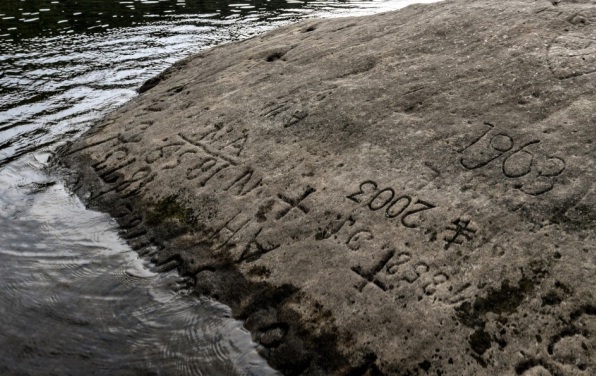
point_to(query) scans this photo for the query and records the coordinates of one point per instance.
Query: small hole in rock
(273, 57)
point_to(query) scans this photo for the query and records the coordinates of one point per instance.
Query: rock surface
(406, 193)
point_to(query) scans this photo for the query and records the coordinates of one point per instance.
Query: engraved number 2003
(377, 199)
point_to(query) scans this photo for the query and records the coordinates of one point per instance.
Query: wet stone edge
(290, 344)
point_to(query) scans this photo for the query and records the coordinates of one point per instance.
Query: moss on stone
(169, 209)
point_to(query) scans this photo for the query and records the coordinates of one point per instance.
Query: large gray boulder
(406, 193)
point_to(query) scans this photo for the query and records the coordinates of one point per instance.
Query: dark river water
(74, 299)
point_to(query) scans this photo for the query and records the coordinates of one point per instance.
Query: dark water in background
(74, 299)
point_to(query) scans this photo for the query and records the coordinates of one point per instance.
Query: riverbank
(403, 193)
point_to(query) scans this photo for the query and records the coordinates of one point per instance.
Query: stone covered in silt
(406, 193)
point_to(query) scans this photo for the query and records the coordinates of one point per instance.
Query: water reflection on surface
(53, 87)
(53, 17)
(74, 299)
(33, 18)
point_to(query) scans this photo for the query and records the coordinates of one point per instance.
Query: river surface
(74, 298)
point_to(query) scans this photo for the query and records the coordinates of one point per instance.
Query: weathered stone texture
(406, 193)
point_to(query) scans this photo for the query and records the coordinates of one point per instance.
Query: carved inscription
(108, 171)
(370, 276)
(208, 150)
(286, 112)
(244, 233)
(400, 207)
(200, 157)
(334, 227)
(460, 232)
(359, 237)
(395, 270)
(256, 248)
(202, 162)
(139, 179)
(225, 233)
(296, 117)
(164, 151)
(536, 172)
(294, 203)
(224, 142)
(244, 183)
(91, 145)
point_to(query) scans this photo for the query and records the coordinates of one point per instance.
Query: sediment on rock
(405, 193)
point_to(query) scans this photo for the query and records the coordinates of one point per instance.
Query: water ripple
(74, 298)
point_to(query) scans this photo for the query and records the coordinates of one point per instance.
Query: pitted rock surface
(405, 193)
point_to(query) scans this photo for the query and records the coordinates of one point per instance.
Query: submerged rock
(405, 193)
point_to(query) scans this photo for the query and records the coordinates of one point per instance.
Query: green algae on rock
(405, 193)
